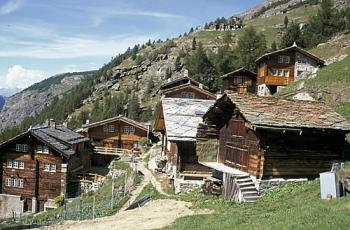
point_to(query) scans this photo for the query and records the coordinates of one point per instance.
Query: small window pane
(132, 129)
(52, 168)
(9, 163)
(47, 167)
(21, 164)
(126, 129)
(15, 164)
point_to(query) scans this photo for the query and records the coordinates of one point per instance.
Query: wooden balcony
(112, 151)
(275, 80)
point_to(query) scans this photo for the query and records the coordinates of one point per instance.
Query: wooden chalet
(186, 87)
(272, 137)
(282, 67)
(39, 165)
(255, 139)
(239, 81)
(114, 135)
(177, 120)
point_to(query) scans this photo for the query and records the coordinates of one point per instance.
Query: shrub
(59, 200)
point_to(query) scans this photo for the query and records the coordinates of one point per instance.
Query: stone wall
(266, 185)
(186, 186)
(10, 204)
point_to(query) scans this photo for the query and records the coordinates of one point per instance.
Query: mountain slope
(32, 100)
(2, 101)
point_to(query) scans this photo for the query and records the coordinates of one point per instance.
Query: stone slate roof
(278, 112)
(181, 81)
(182, 116)
(239, 71)
(292, 48)
(58, 137)
(188, 84)
(120, 117)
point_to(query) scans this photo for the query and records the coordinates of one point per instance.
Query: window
(21, 165)
(9, 163)
(108, 129)
(132, 129)
(15, 164)
(47, 168)
(280, 59)
(283, 59)
(274, 72)
(12, 182)
(126, 129)
(285, 73)
(9, 182)
(50, 167)
(279, 72)
(42, 149)
(189, 95)
(299, 73)
(22, 148)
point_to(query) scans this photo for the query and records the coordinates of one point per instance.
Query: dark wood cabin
(186, 88)
(282, 67)
(239, 81)
(117, 132)
(270, 137)
(40, 164)
(177, 121)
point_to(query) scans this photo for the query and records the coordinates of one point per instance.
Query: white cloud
(19, 77)
(10, 6)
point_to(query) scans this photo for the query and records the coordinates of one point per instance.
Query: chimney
(87, 122)
(52, 123)
(186, 73)
(200, 86)
(65, 124)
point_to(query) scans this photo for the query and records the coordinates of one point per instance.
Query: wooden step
(248, 188)
(246, 184)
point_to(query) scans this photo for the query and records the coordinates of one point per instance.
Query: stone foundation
(186, 186)
(266, 185)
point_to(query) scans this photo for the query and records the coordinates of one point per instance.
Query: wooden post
(93, 207)
(112, 197)
(126, 174)
(80, 208)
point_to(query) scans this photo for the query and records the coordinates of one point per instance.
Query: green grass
(293, 206)
(150, 190)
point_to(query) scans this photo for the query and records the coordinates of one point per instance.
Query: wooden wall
(290, 154)
(265, 70)
(198, 94)
(117, 139)
(249, 85)
(239, 147)
(37, 182)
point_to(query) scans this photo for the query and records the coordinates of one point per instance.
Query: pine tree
(251, 45)
(194, 43)
(273, 46)
(293, 34)
(286, 21)
(178, 64)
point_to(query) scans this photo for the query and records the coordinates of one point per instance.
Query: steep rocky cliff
(33, 99)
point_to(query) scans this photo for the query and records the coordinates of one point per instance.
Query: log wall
(290, 154)
(239, 147)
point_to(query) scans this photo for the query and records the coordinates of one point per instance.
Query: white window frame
(286, 73)
(274, 72)
(132, 130)
(15, 164)
(280, 59)
(287, 59)
(47, 167)
(22, 148)
(21, 164)
(53, 168)
(126, 129)
(280, 72)
(9, 181)
(109, 128)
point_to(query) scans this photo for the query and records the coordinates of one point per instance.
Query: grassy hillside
(293, 206)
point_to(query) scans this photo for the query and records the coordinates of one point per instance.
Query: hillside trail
(153, 215)
(147, 178)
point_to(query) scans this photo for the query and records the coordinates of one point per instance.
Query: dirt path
(155, 214)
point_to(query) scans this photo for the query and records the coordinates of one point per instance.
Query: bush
(144, 142)
(59, 200)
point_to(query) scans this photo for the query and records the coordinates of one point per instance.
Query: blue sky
(40, 38)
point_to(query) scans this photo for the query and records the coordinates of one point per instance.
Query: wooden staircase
(247, 188)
